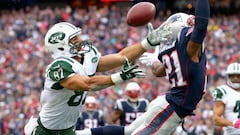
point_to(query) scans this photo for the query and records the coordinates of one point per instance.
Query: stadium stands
(23, 58)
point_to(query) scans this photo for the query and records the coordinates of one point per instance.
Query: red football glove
(236, 123)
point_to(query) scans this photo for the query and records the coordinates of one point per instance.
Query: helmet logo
(55, 37)
(175, 18)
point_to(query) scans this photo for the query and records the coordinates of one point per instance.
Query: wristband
(116, 78)
(145, 44)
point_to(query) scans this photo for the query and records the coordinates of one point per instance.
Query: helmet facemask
(230, 83)
(91, 103)
(79, 48)
(133, 95)
(132, 91)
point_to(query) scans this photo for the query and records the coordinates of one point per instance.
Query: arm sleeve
(60, 70)
(202, 14)
(219, 94)
(91, 61)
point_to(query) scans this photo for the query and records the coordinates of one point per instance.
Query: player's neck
(133, 102)
(80, 58)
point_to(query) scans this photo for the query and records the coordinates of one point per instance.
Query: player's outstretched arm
(202, 15)
(84, 83)
(133, 52)
(218, 110)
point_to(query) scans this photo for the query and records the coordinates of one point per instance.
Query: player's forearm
(85, 83)
(132, 52)
(202, 15)
(112, 61)
(99, 82)
(109, 62)
(222, 122)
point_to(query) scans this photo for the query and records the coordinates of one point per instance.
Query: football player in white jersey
(72, 73)
(227, 102)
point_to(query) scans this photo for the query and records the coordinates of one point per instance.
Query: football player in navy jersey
(183, 63)
(127, 110)
(92, 117)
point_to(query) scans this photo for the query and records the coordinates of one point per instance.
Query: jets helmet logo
(56, 37)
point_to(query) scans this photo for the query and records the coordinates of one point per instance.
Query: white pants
(159, 119)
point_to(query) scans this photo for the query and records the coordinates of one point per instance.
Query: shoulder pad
(91, 60)
(118, 104)
(60, 69)
(219, 93)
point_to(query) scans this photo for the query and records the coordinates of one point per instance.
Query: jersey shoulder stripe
(219, 93)
(95, 50)
(118, 105)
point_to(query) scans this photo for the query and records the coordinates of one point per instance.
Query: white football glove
(148, 58)
(156, 36)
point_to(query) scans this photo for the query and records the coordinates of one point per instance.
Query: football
(140, 14)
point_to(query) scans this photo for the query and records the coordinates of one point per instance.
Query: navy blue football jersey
(90, 120)
(130, 111)
(186, 77)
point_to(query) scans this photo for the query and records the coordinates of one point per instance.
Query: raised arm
(202, 14)
(78, 82)
(111, 61)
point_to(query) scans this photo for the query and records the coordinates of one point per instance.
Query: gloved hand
(156, 36)
(236, 123)
(127, 72)
(148, 58)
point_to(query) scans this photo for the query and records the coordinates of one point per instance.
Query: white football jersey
(61, 107)
(231, 99)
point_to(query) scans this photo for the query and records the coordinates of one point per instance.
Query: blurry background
(23, 24)
(217, 6)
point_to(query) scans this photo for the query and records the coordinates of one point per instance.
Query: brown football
(140, 14)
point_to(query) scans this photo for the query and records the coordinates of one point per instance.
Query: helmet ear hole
(61, 49)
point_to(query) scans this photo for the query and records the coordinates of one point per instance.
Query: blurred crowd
(23, 59)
